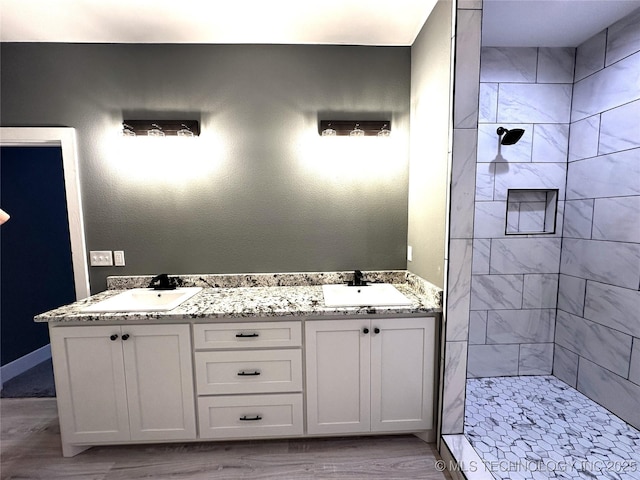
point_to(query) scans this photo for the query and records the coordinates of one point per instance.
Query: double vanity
(246, 356)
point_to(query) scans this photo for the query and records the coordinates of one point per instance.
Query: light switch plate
(101, 258)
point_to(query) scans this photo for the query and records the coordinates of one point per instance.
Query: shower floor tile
(540, 428)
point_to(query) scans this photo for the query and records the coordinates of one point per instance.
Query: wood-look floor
(30, 448)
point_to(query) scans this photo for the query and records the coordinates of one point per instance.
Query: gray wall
(429, 146)
(598, 326)
(264, 193)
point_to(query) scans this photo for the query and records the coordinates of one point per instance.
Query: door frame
(65, 138)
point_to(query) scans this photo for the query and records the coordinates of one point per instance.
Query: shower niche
(531, 211)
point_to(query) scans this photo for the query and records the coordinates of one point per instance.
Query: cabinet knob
(113, 337)
(376, 330)
(365, 330)
(125, 336)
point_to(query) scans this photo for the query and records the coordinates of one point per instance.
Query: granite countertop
(256, 296)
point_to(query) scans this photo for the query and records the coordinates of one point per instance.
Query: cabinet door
(90, 384)
(338, 369)
(402, 374)
(159, 382)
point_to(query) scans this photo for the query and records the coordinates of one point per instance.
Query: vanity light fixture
(160, 128)
(354, 128)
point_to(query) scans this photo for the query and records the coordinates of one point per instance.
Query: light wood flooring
(30, 449)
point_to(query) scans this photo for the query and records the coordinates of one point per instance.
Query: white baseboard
(24, 363)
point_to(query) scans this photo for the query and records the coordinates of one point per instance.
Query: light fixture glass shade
(329, 132)
(127, 131)
(156, 131)
(357, 131)
(184, 132)
(384, 131)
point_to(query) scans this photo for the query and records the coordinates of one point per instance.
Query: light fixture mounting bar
(169, 127)
(344, 127)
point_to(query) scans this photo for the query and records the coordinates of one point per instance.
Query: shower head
(510, 136)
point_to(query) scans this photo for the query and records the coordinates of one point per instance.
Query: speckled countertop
(255, 296)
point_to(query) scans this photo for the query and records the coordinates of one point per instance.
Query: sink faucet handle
(162, 282)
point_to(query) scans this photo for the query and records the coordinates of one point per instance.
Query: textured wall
(258, 191)
(598, 326)
(515, 277)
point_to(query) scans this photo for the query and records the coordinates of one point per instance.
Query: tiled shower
(548, 304)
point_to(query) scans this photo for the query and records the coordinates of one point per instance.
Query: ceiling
(549, 23)
(344, 22)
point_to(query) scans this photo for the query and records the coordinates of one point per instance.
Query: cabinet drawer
(250, 416)
(253, 371)
(247, 335)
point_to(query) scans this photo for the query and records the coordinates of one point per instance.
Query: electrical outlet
(118, 258)
(101, 258)
(409, 253)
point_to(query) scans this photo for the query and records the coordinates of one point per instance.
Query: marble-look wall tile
(511, 64)
(617, 219)
(555, 65)
(540, 176)
(467, 72)
(496, 292)
(478, 327)
(540, 291)
(613, 175)
(565, 365)
(520, 326)
(614, 263)
(455, 367)
(489, 220)
(492, 360)
(571, 293)
(550, 143)
(620, 128)
(613, 307)
(488, 103)
(525, 255)
(590, 56)
(609, 348)
(463, 179)
(490, 149)
(623, 38)
(481, 255)
(459, 291)
(578, 217)
(606, 89)
(534, 103)
(634, 370)
(536, 359)
(485, 181)
(469, 4)
(611, 391)
(583, 138)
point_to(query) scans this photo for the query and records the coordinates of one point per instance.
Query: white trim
(24, 363)
(65, 137)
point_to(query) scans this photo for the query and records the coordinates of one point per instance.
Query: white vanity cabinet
(370, 375)
(249, 379)
(123, 383)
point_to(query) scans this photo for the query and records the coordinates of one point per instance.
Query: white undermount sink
(144, 300)
(374, 295)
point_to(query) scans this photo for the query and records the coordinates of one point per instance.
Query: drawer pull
(247, 335)
(249, 374)
(244, 418)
